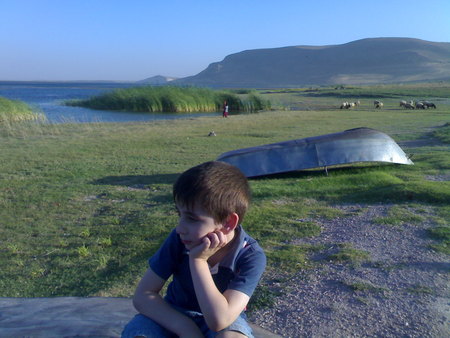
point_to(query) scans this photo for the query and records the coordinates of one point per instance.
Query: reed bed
(15, 111)
(170, 99)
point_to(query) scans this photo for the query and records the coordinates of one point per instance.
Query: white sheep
(345, 105)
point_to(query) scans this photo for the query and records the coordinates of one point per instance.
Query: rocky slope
(367, 61)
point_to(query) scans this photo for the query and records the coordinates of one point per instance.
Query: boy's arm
(219, 310)
(149, 302)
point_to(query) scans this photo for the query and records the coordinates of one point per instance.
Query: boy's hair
(218, 187)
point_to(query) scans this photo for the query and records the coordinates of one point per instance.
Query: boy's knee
(231, 334)
(142, 326)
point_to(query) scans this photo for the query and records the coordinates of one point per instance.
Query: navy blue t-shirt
(239, 270)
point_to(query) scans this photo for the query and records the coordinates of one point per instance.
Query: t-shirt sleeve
(163, 262)
(250, 268)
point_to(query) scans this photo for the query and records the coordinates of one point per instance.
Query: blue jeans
(141, 325)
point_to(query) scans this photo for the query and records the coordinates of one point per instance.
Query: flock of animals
(348, 105)
(378, 104)
(417, 105)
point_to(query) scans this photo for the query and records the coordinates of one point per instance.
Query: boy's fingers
(213, 237)
(206, 241)
(222, 238)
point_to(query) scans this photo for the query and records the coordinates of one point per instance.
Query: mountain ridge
(364, 61)
(157, 80)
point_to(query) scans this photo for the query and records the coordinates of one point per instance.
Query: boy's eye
(192, 218)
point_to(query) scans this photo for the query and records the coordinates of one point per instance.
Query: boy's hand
(211, 243)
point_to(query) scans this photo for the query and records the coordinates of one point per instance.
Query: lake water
(48, 98)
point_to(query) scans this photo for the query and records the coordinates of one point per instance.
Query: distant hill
(367, 61)
(157, 80)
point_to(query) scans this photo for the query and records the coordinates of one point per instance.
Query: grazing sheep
(408, 106)
(429, 104)
(345, 105)
(420, 105)
(402, 103)
(379, 104)
(376, 102)
(348, 105)
(212, 133)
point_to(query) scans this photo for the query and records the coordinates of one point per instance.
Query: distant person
(225, 109)
(214, 263)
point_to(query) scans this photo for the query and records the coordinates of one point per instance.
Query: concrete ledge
(71, 317)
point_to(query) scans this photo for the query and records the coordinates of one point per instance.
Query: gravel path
(402, 291)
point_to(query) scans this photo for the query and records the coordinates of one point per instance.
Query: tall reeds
(15, 111)
(172, 99)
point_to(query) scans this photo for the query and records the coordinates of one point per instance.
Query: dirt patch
(438, 178)
(401, 291)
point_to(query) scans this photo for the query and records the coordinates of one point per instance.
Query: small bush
(14, 110)
(83, 251)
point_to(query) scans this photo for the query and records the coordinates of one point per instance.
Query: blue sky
(131, 40)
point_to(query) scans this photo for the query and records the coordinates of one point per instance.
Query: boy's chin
(189, 245)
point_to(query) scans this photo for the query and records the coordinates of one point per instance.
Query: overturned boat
(349, 146)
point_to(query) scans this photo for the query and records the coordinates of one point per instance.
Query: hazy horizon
(50, 40)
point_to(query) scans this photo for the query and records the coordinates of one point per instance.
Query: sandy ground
(402, 291)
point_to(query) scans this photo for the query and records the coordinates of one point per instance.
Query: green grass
(263, 297)
(417, 91)
(363, 286)
(326, 98)
(13, 111)
(83, 206)
(174, 100)
(442, 235)
(400, 215)
(443, 133)
(345, 253)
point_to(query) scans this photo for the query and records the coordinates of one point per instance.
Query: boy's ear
(231, 223)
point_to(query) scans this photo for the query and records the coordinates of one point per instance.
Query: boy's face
(194, 224)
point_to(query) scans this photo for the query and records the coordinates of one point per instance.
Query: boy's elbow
(217, 324)
(139, 300)
(216, 327)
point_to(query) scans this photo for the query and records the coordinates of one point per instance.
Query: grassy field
(82, 206)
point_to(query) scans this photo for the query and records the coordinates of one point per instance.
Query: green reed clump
(254, 103)
(14, 111)
(172, 100)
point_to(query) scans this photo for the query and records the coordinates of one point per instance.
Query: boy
(215, 265)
